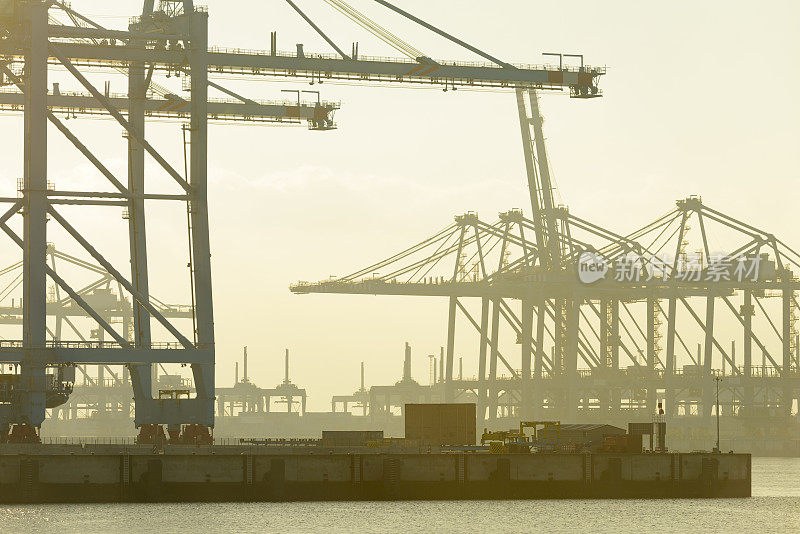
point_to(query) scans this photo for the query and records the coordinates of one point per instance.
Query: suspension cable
(375, 29)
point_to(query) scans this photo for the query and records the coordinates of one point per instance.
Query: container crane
(610, 322)
(167, 40)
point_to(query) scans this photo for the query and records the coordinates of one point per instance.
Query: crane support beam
(364, 69)
(31, 410)
(85, 104)
(509, 290)
(91, 353)
(74, 32)
(13, 315)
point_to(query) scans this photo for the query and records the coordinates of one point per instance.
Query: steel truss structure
(33, 39)
(109, 389)
(106, 296)
(169, 40)
(613, 347)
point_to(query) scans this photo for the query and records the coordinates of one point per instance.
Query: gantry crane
(598, 350)
(170, 39)
(575, 337)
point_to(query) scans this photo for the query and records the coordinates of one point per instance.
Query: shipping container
(441, 424)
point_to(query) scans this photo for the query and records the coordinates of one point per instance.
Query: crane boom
(580, 81)
(172, 106)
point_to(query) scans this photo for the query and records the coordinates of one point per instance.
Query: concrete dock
(119, 473)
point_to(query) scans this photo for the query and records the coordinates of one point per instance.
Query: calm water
(774, 507)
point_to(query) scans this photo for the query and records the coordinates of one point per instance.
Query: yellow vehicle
(545, 431)
(498, 435)
(546, 435)
(503, 441)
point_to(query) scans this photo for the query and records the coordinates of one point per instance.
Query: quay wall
(107, 473)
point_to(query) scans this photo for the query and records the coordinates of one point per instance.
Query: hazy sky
(699, 99)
